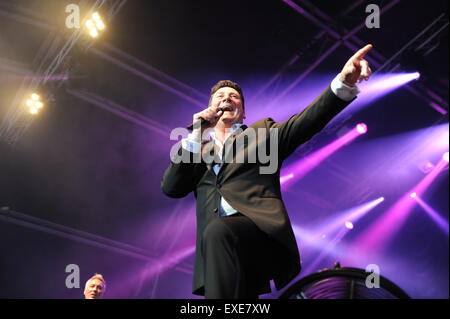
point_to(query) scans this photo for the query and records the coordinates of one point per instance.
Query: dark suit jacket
(255, 195)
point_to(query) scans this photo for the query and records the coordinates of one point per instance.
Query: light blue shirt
(342, 91)
(194, 147)
(225, 208)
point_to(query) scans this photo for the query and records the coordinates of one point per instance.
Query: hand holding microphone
(206, 118)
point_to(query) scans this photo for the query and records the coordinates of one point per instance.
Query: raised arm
(303, 126)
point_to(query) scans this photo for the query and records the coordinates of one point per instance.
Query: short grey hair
(96, 276)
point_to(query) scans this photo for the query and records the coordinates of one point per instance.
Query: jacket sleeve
(181, 177)
(303, 126)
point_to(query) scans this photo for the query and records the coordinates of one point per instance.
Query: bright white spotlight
(93, 32)
(416, 75)
(90, 24)
(379, 200)
(413, 195)
(361, 128)
(96, 16)
(445, 157)
(286, 177)
(95, 24)
(100, 25)
(349, 225)
(34, 103)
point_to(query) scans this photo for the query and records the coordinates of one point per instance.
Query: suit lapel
(229, 157)
(208, 152)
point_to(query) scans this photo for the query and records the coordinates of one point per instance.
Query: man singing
(244, 235)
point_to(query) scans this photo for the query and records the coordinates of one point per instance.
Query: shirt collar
(233, 129)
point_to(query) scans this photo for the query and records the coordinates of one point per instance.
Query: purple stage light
(352, 215)
(391, 81)
(386, 227)
(361, 128)
(445, 157)
(437, 218)
(307, 164)
(328, 249)
(169, 261)
(380, 85)
(404, 157)
(437, 108)
(441, 137)
(426, 166)
(283, 179)
(315, 236)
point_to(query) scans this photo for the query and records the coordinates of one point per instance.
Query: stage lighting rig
(52, 57)
(95, 24)
(34, 104)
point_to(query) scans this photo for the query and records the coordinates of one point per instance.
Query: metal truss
(121, 111)
(50, 59)
(332, 35)
(50, 228)
(424, 43)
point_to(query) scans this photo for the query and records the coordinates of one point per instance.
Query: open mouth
(227, 108)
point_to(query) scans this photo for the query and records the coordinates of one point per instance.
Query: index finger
(362, 52)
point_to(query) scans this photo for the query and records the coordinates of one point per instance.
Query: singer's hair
(226, 83)
(99, 277)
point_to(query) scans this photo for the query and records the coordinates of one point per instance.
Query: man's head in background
(95, 287)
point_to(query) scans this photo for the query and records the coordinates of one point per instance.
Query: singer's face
(94, 289)
(230, 101)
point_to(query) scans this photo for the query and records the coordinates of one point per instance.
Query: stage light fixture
(96, 16)
(361, 128)
(95, 24)
(93, 32)
(34, 104)
(349, 225)
(98, 21)
(445, 157)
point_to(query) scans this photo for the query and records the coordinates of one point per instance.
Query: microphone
(201, 122)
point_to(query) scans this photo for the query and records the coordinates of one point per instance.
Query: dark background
(87, 168)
